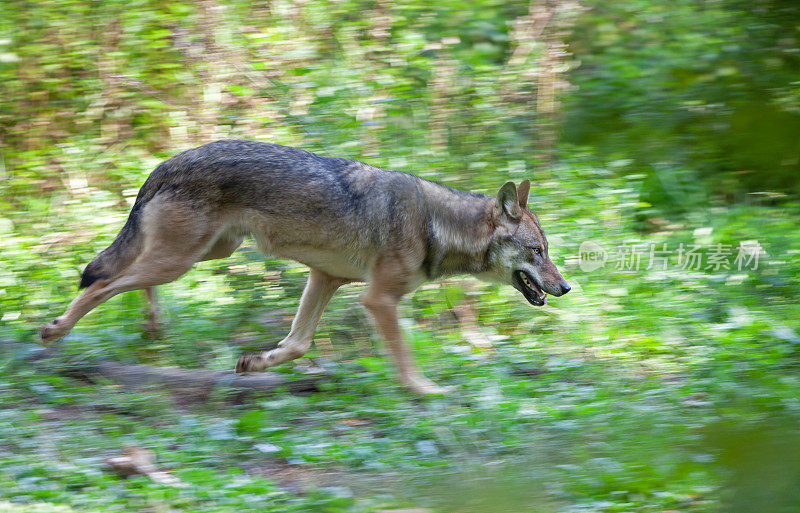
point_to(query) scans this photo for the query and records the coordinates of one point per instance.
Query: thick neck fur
(459, 231)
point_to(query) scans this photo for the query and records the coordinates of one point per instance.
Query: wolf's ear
(507, 202)
(522, 193)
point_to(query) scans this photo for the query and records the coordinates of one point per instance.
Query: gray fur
(347, 205)
(346, 220)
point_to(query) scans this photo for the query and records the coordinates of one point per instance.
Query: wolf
(346, 220)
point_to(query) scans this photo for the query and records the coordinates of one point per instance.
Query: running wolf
(347, 221)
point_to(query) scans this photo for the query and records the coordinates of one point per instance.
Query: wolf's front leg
(319, 290)
(383, 307)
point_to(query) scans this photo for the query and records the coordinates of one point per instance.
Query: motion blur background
(642, 123)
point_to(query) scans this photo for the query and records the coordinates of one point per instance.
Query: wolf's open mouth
(525, 283)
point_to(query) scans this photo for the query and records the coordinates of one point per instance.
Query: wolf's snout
(559, 289)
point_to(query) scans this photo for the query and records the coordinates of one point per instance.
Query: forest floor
(645, 389)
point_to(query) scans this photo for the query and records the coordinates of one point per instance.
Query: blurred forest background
(649, 388)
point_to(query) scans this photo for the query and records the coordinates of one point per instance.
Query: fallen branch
(200, 381)
(194, 384)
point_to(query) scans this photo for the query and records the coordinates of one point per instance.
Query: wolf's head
(518, 249)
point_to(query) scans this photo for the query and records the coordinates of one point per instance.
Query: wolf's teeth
(526, 281)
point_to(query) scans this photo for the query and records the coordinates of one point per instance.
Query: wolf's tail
(128, 244)
(120, 254)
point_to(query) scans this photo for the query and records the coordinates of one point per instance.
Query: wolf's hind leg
(144, 273)
(153, 326)
(319, 290)
(223, 247)
(176, 236)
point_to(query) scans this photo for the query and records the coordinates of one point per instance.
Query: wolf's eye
(538, 251)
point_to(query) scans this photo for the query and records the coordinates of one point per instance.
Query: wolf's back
(270, 178)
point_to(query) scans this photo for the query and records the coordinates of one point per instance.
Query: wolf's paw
(52, 331)
(423, 386)
(250, 362)
(153, 329)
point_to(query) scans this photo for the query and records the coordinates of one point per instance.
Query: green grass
(642, 390)
(638, 391)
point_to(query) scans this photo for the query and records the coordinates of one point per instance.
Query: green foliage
(641, 390)
(708, 84)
